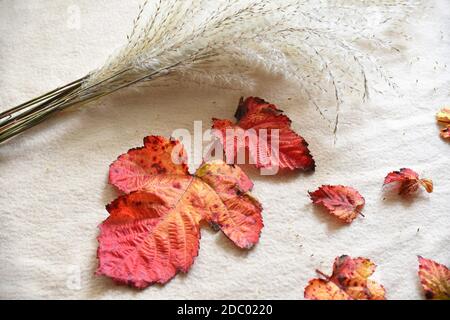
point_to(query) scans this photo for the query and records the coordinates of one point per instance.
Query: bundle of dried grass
(314, 42)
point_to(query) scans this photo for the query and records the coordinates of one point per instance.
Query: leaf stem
(323, 274)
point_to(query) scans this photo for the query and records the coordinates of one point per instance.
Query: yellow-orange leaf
(445, 132)
(435, 279)
(444, 115)
(349, 281)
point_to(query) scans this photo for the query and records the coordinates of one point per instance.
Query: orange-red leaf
(239, 214)
(153, 232)
(320, 289)
(407, 181)
(257, 118)
(435, 279)
(349, 281)
(345, 203)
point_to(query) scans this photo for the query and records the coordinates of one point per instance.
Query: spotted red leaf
(407, 181)
(257, 121)
(443, 118)
(349, 281)
(153, 231)
(345, 203)
(435, 279)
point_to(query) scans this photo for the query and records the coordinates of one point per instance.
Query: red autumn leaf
(257, 121)
(349, 281)
(153, 231)
(435, 279)
(345, 203)
(407, 181)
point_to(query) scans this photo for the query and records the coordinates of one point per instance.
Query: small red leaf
(349, 281)
(257, 118)
(153, 233)
(242, 221)
(345, 203)
(435, 279)
(407, 181)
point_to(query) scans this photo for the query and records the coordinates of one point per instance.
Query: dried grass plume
(318, 44)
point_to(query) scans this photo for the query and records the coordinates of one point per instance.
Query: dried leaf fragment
(443, 117)
(320, 289)
(345, 203)
(259, 123)
(407, 181)
(349, 281)
(131, 170)
(153, 231)
(435, 279)
(445, 132)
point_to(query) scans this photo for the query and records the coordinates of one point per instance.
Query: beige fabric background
(53, 184)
